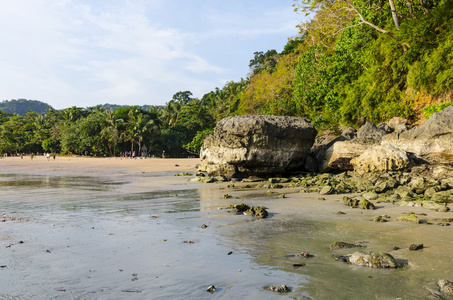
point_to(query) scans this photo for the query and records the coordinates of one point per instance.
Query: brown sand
(102, 164)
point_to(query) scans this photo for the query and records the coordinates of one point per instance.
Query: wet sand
(104, 220)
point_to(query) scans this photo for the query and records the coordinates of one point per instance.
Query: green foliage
(429, 110)
(264, 61)
(195, 145)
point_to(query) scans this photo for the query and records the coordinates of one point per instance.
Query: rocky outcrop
(257, 145)
(336, 155)
(433, 140)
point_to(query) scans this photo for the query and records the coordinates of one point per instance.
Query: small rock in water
(373, 259)
(343, 245)
(396, 248)
(204, 226)
(298, 265)
(415, 247)
(231, 252)
(280, 289)
(211, 289)
(304, 254)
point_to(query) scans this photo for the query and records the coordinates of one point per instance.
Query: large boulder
(433, 140)
(336, 155)
(257, 145)
(381, 158)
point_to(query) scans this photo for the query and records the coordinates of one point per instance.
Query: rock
(349, 133)
(365, 204)
(338, 156)
(254, 211)
(441, 207)
(370, 196)
(446, 287)
(382, 158)
(385, 127)
(373, 259)
(257, 211)
(433, 140)
(327, 190)
(415, 247)
(444, 196)
(379, 219)
(350, 202)
(239, 208)
(343, 245)
(280, 289)
(369, 131)
(396, 122)
(385, 183)
(304, 254)
(245, 146)
(408, 218)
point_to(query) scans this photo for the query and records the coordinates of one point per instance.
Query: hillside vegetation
(354, 60)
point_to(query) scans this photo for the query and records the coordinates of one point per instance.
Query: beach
(111, 228)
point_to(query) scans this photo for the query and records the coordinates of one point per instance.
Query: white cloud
(76, 52)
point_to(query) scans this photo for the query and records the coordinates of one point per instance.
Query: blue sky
(83, 53)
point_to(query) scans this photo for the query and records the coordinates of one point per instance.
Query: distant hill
(109, 106)
(22, 106)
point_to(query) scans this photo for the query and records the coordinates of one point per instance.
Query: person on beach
(163, 154)
(31, 156)
(48, 156)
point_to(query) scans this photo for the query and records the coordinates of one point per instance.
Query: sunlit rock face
(243, 146)
(433, 140)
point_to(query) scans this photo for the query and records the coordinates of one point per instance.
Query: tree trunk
(394, 14)
(411, 10)
(425, 7)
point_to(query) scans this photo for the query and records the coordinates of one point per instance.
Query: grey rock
(370, 131)
(433, 140)
(257, 146)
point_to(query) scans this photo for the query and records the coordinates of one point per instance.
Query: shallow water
(105, 237)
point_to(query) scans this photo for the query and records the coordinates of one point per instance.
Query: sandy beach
(109, 228)
(71, 163)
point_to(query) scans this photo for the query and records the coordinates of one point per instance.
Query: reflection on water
(85, 238)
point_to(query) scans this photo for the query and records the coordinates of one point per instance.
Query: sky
(133, 52)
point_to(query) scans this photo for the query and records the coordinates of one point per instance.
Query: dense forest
(353, 60)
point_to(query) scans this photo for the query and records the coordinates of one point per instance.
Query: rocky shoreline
(391, 162)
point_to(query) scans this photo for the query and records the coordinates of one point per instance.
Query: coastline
(150, 215)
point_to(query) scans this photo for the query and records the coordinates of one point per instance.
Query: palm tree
(110, 131)
(137, 128)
